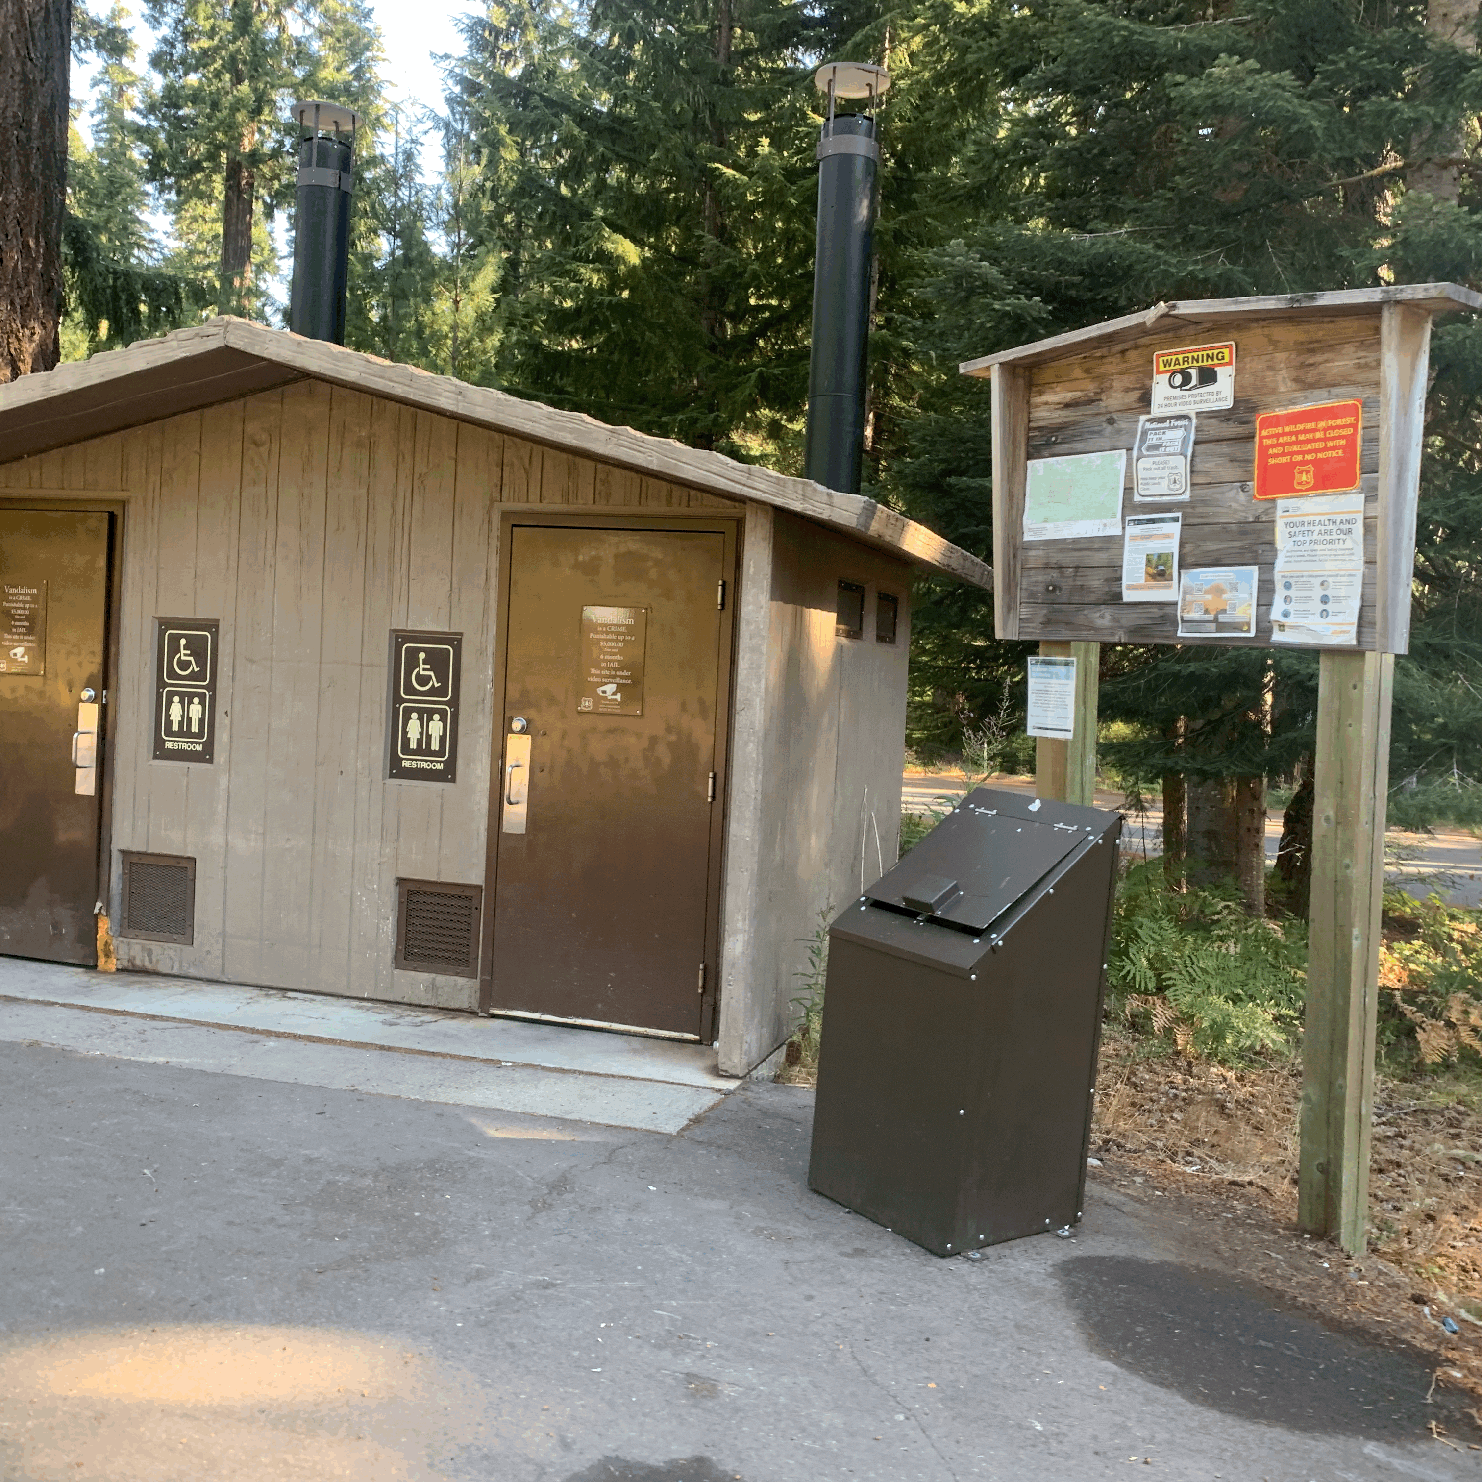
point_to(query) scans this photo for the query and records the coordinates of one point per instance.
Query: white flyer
(1051, 698)
(1074, 497)
(1319, 572)
(1150, 558)
(1160, 457)
(1218, 602)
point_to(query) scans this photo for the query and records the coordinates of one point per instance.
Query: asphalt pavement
(1447, 862)
(215, 1275)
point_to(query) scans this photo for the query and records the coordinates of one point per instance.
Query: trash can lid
(991, 857)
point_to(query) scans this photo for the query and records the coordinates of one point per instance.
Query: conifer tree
(226, 69)
(1104, 157)
(118, 290)
(647, 180)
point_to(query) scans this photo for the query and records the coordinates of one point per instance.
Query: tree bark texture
(1454, 21)
(35, 77)
(1294, 853)
(1226, 836)
(1174, 829)
(236, 237)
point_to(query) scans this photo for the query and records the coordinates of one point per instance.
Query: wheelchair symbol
(423, 676)
(184, 662)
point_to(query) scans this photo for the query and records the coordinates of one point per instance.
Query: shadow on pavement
(690, 1469)
(1221, 1343)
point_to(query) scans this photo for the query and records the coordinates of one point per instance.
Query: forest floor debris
(1224, 1141)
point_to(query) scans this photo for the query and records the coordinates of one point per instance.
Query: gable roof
(1206, 314)
(225, 358)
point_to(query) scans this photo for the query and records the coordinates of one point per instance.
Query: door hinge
(710, 795)
(720, 596)
(701, 985)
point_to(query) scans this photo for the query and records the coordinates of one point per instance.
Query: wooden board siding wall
(819, 758)
(312, 521)
(1089, 401)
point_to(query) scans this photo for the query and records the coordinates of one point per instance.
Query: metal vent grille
(437, 928)
(159, 898)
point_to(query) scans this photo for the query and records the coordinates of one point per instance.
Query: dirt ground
(1225, 1143)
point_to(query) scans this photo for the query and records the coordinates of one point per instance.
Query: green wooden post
(1066, 770)
(1351, 780)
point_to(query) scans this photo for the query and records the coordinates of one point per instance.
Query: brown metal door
(615, 662)
(53, 616)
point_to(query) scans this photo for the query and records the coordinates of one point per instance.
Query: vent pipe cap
(852, 80)
(314, 116)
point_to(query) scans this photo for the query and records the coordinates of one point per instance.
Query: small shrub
(916, 826)
(1190, 967)
(1430, 974)
(802, 1048)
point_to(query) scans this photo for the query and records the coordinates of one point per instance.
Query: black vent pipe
(321, 234)
(848, 162)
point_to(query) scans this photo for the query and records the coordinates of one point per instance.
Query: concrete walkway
(213, 1275)
(652, 1085)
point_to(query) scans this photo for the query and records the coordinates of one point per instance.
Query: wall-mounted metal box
(961, 1020)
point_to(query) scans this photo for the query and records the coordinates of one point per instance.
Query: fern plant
(1192, 968)
(1430, 980)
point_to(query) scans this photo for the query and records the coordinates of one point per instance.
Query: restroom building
(322, 673)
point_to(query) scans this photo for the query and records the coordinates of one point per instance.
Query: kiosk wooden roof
(227, 357)
(1084, 392)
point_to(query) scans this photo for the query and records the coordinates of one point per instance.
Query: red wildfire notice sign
(1308, 450)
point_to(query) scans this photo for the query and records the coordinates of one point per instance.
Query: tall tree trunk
(1175, 830)
(1294, 854)
(236, 237)
(1250, 845)
(1175, 816)
(712, 293)
(1454, 21)
(1211, 837)
(1227, 836)
(35, 78)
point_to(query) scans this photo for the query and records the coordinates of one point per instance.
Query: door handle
(516, 801)
(85, 750)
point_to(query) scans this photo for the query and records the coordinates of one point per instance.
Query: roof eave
(1438, 298)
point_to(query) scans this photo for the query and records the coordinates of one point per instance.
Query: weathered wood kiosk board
(1084, 392)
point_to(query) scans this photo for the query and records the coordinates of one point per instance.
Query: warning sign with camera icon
(1195, 378)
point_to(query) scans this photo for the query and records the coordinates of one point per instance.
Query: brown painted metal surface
(957, 1063)
(602, 898)
(49, 834)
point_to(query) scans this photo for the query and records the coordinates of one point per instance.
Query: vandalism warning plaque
(1308, 450)
(23, 627)
(1194, 378)
(612, 647)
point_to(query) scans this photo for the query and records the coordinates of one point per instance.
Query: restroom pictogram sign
(185, 667)
(424, 706)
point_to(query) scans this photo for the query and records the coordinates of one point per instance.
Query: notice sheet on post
(1319, 575)
(1150, 558)
(1051, 698)
(1075, 497)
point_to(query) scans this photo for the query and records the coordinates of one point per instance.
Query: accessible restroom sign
(185, 689)
(424, 706)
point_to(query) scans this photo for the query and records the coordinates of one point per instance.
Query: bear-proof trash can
(961, 1019)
